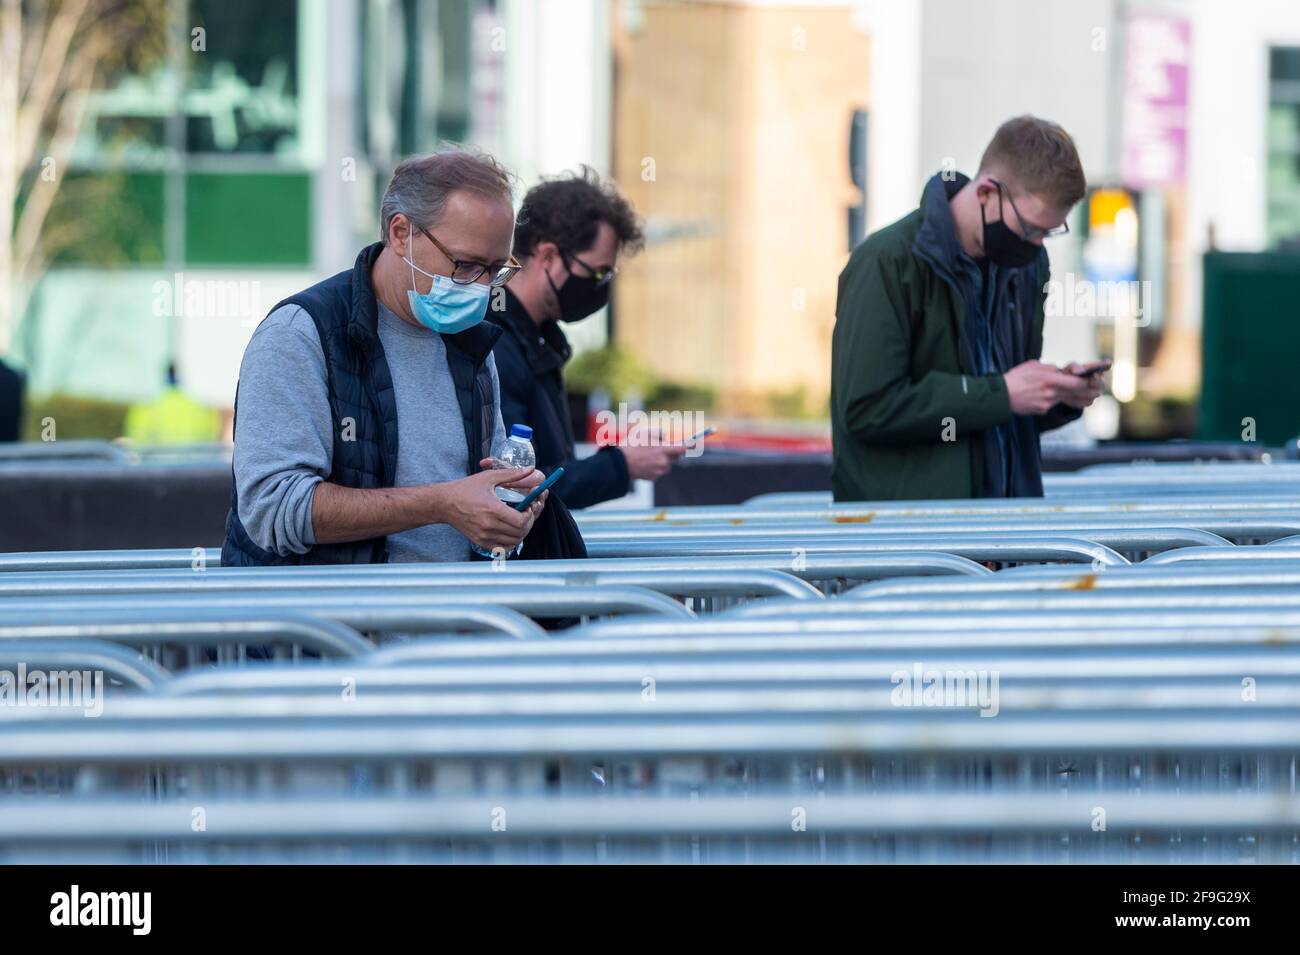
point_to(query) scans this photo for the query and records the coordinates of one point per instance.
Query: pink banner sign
(1157, 51)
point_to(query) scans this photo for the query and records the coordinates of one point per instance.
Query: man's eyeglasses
(1028, 232)
(602, 276)
(467, 273)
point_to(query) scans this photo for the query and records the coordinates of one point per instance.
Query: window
(430, 74)
(194, 156)
(1284, 148)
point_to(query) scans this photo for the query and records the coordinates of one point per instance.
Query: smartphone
(536, 492)
(703, 434)
(1094, 368)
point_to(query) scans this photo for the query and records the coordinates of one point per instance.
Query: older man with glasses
(937, 387)
(368, 405)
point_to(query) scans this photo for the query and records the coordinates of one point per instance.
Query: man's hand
(1035, 386)
(651, 463)
(471, 506)
(1094, 386)
(533, 478)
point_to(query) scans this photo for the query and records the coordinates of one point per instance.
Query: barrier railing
(1111, 674)
(828, 828)
(708, 590)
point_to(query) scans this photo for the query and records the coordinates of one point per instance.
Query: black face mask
(580, 296)
(1004, 248)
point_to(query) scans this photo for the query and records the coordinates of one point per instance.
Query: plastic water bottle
(518, 453)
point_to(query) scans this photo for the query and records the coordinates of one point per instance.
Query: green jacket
(907, 414)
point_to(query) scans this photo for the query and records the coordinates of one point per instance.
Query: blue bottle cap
(521, 431)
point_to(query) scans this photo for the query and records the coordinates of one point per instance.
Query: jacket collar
(363, 317)
(363, 320)
(936, 240)
(545, 346)
(476, 343)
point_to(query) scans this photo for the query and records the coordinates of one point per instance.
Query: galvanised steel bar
(843, 618)
(207, 626)
(1021, 547)
(190, 628)
(788, 499)
(1221, 555)
(236, 580)
(339, 602)
(1136, 534)
(1162, 608)
(735, 582)
(795, 643)
(1288, 469)
(1165, 485)
(1133, 681)
(844, 567)
(1180, 598)
(190, 558)
(110, 741)
(535, 817)
(1189, 508)
(1043, 577)
(875, 699)
(374, 700)
(113, 661)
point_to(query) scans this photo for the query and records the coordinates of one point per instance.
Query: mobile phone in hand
(537, 491)
(1094, 368)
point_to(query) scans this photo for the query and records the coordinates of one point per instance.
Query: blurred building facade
(733, 135)
(248, 163)
(761, 140)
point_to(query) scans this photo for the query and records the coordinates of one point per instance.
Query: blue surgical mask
(447, 308)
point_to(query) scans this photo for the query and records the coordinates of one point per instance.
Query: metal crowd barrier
(1136, 481)
(766, 509)
(178, 630)
(163, 763)
(118, 665)
(1221, 556)
(344, 600)
(193, 558)
(1109, 675)
(1151, 575)
(192, 637)
(829, 573)
(995, 549)
(702, 590)
(829, 828)
(1134, 537)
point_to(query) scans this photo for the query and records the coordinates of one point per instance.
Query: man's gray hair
(420, 185)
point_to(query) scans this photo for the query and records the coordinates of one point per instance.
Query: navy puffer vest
(364, 408)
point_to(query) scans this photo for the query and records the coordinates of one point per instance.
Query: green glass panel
(248, 219)
(105, 219)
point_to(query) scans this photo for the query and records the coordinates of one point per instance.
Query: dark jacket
(360, 387)
(555, 534)
(530, 361)
(911, 416)
(11, 403)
